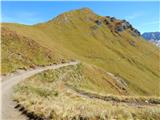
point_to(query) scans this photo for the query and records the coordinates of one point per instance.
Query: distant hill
(152, 37)
(109, 44)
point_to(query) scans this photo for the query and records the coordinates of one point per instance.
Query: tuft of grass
(49, 96)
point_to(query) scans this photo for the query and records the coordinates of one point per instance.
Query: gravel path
(8, 110)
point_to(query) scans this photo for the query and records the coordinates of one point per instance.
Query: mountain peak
(85, 9)
(88, 16)
(153, 37)
(71, 15)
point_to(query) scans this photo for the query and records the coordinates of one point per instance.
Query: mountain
(21, 52)
(152, 37)
(105, 43)
(118, 76)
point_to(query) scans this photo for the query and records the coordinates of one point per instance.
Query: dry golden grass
(46, 95)
(73, 35)
(20, 52)
(111, 65)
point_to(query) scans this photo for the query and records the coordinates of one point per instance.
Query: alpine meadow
(108, 70)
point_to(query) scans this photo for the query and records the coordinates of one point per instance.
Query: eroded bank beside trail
(8, 110)
(63, 94)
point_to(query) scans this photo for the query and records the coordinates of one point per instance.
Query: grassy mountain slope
(20, 52)
(97, 40)
(98, 44)
(55, 95)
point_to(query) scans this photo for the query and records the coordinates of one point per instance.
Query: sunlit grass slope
(51, 95)
(20, 52)
(138, 63)
(77, 35)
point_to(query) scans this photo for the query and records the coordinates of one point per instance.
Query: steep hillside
(61, 94)
(20, 52)
(112, 45)
(109, 43)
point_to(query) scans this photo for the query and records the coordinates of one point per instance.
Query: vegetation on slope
(103, 42)
(20, 52)
(123, 53)
(49, 95)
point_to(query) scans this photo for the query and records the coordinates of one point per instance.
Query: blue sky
(145, 16)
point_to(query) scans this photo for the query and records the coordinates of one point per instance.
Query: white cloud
(21, 17)
(151, 23)
(25, 14)
(134, 15)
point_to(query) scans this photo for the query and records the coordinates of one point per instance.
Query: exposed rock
(106, 21)
(117, 25)
(108, 17)
(124, 21)
(119, 28)
(136, 31)
(112, 19)
(98, 22)
(132, 43)
(126, 25)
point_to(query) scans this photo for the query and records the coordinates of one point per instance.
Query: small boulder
(119, 28)
(108, 17)
(112, 19)
(136, 31)
(106, 21)
(98, 22)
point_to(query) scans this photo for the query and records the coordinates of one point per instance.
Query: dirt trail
(8, 110)
(128, 101)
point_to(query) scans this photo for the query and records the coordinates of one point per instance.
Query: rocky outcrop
(117, 25)
(119, 28)
(136, 31)
(98, 22)
(123, 25)
(112, 19)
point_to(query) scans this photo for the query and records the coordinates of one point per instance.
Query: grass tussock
(21, 52)
(48, 95)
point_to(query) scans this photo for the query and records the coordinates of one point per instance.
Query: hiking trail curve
(7, 84)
